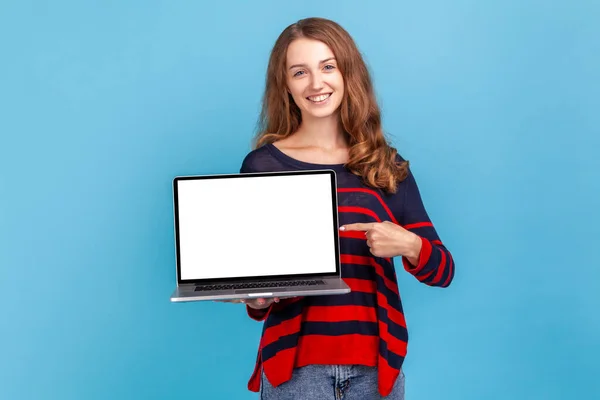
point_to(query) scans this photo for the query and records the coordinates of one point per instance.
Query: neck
(326, 133)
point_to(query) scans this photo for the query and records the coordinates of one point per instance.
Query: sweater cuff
(258, 315)
(261, 315)
(424, 255)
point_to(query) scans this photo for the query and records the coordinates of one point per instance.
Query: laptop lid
(255, 226)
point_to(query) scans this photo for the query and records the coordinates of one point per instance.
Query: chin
(321, 113)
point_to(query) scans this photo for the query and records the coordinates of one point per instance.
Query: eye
(298, 73)
(329, 67)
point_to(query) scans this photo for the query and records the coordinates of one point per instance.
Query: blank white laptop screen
(256, 226)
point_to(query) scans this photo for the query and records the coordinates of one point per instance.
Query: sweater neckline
(280, 155)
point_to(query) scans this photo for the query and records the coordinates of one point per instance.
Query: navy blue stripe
(397, 331)
(286, 313)
(348, 299)
(388, 267)
(392, 358)
(351, 217)
(389, 270)
(449, 271)
(449, 262)
(355, 246)
(340, 328)
(357, 271)
(283, 343)
(426, 231)
(437, 263)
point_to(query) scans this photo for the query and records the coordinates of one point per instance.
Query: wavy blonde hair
(370, 155)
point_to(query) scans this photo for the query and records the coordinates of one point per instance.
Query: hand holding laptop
(257, 304)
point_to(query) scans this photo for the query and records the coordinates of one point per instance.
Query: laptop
(256, 235)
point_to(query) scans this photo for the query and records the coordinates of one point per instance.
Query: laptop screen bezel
(246, 175)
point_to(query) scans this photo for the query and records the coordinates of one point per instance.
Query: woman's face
(313, 78)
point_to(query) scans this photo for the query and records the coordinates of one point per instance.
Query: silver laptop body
(268, 234)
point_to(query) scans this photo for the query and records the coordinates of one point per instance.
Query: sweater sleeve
(435, 264)
(262, 314)
(258, 315)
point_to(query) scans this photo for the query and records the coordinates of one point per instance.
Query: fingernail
(342, 228)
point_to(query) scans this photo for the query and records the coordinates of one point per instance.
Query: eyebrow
(320, 62)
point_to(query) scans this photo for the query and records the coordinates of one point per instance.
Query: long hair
(370, 155)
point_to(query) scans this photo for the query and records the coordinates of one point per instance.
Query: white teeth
(319, 98)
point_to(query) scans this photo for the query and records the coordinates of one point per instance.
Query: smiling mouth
(320, 98)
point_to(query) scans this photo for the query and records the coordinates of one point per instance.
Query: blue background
(496, 104)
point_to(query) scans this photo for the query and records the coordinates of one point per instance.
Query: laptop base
(325, 286)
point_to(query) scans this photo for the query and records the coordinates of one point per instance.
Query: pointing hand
(386, 239)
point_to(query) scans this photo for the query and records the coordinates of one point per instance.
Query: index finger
(358, 226)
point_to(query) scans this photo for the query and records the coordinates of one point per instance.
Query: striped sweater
(367, 325)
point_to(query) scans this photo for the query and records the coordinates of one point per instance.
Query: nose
(316, 82)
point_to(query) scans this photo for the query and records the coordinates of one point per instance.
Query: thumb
(259, 303)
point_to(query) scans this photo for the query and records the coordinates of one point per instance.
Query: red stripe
(352, 259)
(360, 210)
(273, 366)
(273, 333)
(320, 349)
(372, 192)
(440, 268)
(340, 313)
(423, 258)
(417, 225)
(361, 285)
(254, 381)
(387, 377)
(360, 260)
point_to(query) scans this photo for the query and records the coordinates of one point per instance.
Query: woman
(320, 111)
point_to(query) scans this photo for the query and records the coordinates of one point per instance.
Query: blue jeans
(331, 382)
